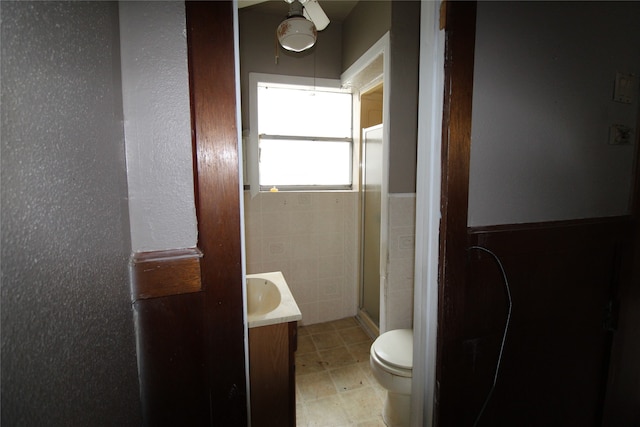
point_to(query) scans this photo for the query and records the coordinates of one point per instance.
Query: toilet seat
(393, 350)
(392, 366)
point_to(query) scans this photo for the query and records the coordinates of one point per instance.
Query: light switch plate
(620, 135)
(626, 87)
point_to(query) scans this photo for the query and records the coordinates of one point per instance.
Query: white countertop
(287, 311)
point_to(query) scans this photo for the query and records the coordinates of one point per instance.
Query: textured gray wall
(68, 347)
(155, 92)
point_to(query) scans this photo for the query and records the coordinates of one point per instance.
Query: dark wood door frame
(456, 146)
(622, 392)
(212, 81)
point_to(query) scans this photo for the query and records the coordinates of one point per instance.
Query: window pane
(305, 163)
(296, 112)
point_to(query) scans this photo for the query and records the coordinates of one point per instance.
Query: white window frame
(253, 152)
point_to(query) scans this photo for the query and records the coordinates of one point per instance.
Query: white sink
(263, 296)
(269, 300)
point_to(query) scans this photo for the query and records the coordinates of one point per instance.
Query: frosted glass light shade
(297, 34)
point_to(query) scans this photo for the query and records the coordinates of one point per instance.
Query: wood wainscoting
(172, 360)
(164, 273)
(168, 308)
(564, 279)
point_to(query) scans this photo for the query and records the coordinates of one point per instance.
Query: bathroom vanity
(272, 373)
(272, 316)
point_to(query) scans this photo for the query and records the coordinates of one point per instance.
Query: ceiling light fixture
(296, 33)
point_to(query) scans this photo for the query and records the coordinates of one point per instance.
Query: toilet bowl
(391, 359)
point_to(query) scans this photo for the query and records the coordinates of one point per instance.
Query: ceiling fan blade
(247, 3)
(314, 12)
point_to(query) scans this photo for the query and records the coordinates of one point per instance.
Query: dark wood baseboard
(541, 234)
(165, 273)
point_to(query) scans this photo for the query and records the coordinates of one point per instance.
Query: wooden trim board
(164, 273)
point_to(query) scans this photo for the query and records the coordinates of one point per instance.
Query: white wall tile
(313, 239)
(310, 314)
(304, 246)
(399, 316)
(305, 235)
(276, 202)
(400, 267)
(331, 266)
(302, 222)
(304, 269)
(304, 291)
(332, 244)
(276, 223)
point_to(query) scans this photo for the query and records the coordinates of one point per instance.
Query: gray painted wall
(68, 347)
(403, 96)
(365, 25)
(542, 107)
(157, 125)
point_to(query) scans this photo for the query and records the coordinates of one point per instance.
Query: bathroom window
(301, 134)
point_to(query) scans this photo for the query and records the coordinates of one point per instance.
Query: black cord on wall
(504, 335)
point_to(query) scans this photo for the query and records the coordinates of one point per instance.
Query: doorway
(370, 196)
(367, 78)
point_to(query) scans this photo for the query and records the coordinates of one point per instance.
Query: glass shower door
(372, 163)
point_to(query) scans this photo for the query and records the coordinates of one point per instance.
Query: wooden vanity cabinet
(272, 374)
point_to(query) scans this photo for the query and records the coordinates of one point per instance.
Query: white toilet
(392, 365)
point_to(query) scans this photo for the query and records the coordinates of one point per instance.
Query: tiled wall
(400, 268)
(313, 239)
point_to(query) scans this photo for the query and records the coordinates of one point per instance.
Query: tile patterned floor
(334, 384)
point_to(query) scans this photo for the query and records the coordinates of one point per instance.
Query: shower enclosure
(371, 214)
